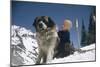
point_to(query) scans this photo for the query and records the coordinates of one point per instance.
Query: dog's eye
(39, 20)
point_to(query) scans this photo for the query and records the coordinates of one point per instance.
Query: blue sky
(24, 13)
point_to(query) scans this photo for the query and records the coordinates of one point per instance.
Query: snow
(28, 43)
(28, 40)
(23, 45)
(92, 46)
(78, 57)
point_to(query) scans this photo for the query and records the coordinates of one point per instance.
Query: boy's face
(67, 25)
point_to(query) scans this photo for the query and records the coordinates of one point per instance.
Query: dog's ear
(51, 22)
(35, 21)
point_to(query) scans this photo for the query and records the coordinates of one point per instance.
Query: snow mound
(24, 47)
(89, 55)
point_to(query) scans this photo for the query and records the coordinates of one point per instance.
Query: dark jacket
(64, 36)
(64, 45)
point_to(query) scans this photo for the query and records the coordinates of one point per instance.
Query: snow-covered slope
(23, 46)
(89, 55)
(24, 49)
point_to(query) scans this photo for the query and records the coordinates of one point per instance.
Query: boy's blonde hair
(67, 24)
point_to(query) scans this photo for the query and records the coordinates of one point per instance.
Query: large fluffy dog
(47, 38)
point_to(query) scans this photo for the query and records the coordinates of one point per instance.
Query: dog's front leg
(52, 46)
(44, 58)
(39, 57)
(50, 55)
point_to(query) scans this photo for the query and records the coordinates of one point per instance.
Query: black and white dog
(47, 38)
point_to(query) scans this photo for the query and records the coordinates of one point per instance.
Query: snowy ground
(77, 57)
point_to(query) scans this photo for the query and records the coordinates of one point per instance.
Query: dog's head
(43, 23)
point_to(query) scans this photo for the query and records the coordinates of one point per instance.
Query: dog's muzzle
(42, 25)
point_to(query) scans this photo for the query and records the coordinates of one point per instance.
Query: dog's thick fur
(47, 38)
